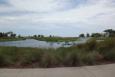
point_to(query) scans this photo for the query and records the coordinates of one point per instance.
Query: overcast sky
(56, 17)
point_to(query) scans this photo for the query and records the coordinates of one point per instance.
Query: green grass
(90, 53)
(57, 39)
(10, 39)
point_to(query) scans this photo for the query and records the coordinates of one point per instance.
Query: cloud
(52, 15)
(45, 5)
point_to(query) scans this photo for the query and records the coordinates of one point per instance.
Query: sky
(56, 17)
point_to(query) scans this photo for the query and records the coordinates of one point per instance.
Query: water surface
(40, 44)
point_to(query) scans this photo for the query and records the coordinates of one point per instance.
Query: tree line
(107, 33)
(7, 34)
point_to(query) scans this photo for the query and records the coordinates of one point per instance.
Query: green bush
(48, 60)
(108, 54)
(89, 58)
(8, 55)
(71, 58)
(107, 44)
(29, 57)
(91, 45)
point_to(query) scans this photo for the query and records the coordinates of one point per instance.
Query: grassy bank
(10, 39)
(57, 39)
(89, 53)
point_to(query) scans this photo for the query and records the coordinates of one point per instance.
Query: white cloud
(80, 14)
(40, 5)
(56, 14)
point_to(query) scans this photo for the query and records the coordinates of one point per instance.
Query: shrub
(72, 58)
(107, 44)
(8, 55)
(30, 57)
(91, 45)
(48, 60)
(109, 54)
(89, 58)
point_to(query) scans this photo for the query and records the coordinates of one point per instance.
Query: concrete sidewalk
(88, 71)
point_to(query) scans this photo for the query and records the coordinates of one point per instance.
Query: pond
(40, 44)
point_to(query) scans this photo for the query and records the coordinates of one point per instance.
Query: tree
(1, 34)
(96, 35)
(110, 32)
(13, 35)
(5, 35)
(42, 36)
(88, 35)
(50, 36)
(9, 32)
(82, 35)
(39, 36)
(19, 36)
(35, 36)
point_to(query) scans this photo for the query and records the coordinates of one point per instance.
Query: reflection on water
(40, 44)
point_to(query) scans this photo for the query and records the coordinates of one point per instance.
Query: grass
(10, 39)
(57, 39)
(90, 53)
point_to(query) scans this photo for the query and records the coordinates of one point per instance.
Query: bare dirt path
(87, 71)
